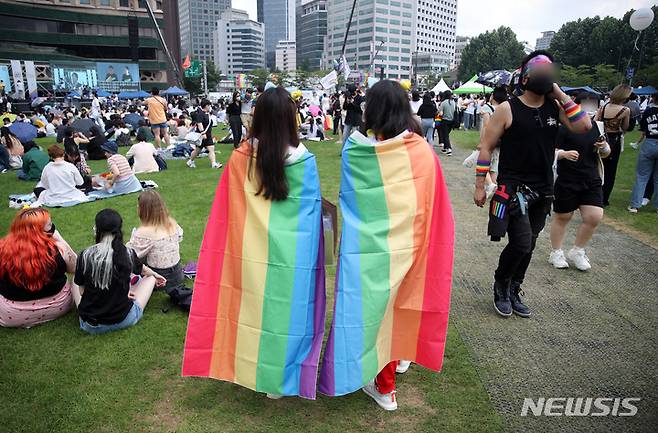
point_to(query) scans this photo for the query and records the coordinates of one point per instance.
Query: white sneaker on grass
(632, 209)
(403, 366)
(579, 258)
(645, 201)
(274, 396)
(191, 163)
(217, 165)
(385, 401)
(558, 260)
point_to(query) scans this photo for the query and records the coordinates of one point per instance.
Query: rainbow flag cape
(392, 294)
(258, 309)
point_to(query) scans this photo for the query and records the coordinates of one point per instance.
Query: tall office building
(311, 32)
(402, 30)
(279, 19)
(436, 21)
(197, 23)
(286, 56)
(460, 44)
(238, 43)
(81, 31)
(544, 41)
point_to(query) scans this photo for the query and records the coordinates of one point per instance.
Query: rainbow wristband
(573, 111)
(482, 167)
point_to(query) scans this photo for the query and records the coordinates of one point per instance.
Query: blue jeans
(21, 175)
(133, 316)
(4, 158)
(347, 131)
(427, 126)
(468, 120)
(647, 164)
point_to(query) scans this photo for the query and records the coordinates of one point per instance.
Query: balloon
(641, 19)
(406, 84)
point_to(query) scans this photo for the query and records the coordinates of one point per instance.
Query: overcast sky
(528, 18)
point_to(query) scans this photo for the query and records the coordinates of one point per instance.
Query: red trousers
(385, 380)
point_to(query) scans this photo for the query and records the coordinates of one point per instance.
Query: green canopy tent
(472, 87)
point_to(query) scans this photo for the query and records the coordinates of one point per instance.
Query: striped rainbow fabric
(394, 272)
(258, 309)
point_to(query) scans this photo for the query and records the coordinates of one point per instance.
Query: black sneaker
(502, 303)
(518, 307)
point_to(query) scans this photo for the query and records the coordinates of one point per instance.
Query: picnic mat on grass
(19, 201)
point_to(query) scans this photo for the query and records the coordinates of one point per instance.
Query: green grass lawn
(643, 224)
(57, 379)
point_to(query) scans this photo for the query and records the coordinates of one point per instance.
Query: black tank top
(527, 147)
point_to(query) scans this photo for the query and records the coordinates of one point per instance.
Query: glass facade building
(278, 16)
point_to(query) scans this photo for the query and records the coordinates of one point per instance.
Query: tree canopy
(601, 48)
(498, 49)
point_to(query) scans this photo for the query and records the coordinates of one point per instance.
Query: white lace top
(157, 253)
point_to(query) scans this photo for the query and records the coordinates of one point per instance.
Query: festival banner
(258, 309)
(330, 80)
(394, 273)
(31, 78)
(17, 75)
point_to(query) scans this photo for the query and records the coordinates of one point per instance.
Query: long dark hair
(388, 112)
(109, 257)
(275, 127)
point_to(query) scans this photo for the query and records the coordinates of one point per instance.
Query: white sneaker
(217, 165)
(449, 152)
(274, 396)
(634, 145)
(191, 163)
(632, 209)
(558, 260)
(403, 366)
(578, 257)
(385, 401)
(645, 201)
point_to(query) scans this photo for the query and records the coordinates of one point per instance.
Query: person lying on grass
(106, 299)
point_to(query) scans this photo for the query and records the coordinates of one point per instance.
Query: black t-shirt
(649, 122)
(105, 306)
(200, 116)
(427, 111)
(527, 147)
(234, 108)
(584, 172)
(54, 285)
(353, 111)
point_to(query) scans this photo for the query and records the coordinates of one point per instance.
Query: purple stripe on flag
(309, 374)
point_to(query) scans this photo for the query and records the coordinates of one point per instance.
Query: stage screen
(118, 77)
(73, 76)
(4, 76)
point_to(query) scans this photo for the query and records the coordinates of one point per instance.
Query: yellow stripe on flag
(254, 273)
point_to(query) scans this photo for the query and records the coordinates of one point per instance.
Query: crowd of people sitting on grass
(110, 283)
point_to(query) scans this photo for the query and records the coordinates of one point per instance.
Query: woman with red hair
(34, 261)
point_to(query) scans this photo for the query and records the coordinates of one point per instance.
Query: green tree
(213, 74)
(608, 41)
(498, 49)
(571, 44)
(259, 77)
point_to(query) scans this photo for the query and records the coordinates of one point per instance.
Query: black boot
(502, 302)
(518, 306)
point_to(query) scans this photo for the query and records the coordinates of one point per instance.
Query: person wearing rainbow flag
(258, 309)
(526, 128)
(394, 273)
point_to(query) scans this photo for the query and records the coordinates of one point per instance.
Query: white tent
(441, 86)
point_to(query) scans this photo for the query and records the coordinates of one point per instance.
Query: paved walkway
(591, 335)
